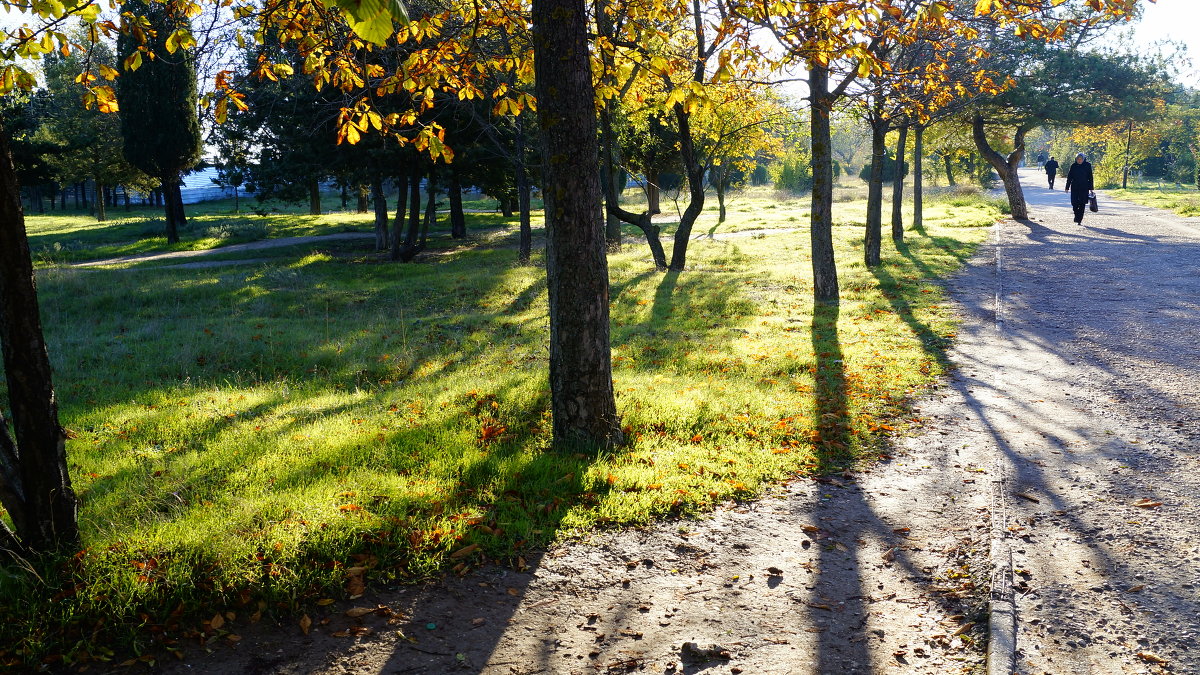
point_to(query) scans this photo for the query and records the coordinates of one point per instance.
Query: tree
(1057, 84)
(158, 96)
(91, 141)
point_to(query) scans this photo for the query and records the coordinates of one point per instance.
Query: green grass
(1181, 199)
(255, 438)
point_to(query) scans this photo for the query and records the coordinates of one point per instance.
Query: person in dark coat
(1080, 185)
(1051, 171)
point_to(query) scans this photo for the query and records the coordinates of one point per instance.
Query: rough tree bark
(582, 402)
(35, 486)
(381, 212)
(873, 239)
(898, 186)
(1005, 166)
(919, 177)
(825, 283)
(401, 209)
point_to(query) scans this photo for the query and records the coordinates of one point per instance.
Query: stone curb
(1002, 610)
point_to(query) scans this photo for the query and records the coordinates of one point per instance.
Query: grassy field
(1183, 200)
(258, 438)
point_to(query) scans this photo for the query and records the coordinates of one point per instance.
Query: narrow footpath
(1060, 461)
(1080, 363)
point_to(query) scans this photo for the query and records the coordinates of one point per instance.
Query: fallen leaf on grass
(464, 551)
(1146, 503)
(1152, 658)
(325, 601)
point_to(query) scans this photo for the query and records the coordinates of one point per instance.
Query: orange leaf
(305, 624)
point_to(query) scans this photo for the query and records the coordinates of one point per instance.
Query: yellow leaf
(305, 624)
(217, 621)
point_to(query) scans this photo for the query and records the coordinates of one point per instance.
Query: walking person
(1051, 171)
(1080, 185)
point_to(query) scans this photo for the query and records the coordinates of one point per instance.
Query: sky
(1176, 20)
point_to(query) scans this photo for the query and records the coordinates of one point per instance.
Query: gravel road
(1073, 398)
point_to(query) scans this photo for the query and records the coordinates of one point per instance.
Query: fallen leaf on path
(217, 621)
(305, 624)
(1135, 589)
(1146, 503)
(1026, 497)
(962, 629)
(325, 601)
(841, 547)
(889, 555)
(356, 612)
(774, 571)
(1152, 658)
(811, 529)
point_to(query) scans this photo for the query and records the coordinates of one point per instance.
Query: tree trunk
(898, 186)
(919, 178)
(177, 197)
(169, 208)
(381, 213)
(345, 197)
(653, 194)
(414, 209)
(949, 169)
(363, 192)
(35, 486)
(612, 204)
(695, 177)
(125, 192)
(825, 283)
(237, 207)
(458, 220)
(873, 239)
(101, 216)
(401, 208)
(525, 247)
(722, 177)
(1005, 166)
(1125, 170)
(582, 402)
(430, 206)
(314, 197)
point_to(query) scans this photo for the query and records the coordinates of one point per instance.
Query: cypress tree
(159, 123)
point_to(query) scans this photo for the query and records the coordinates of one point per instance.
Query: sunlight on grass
(249, 433)
(1181, 199)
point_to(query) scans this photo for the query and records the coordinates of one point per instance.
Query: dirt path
(1074, 397)
(1086, 386)
(233, 248)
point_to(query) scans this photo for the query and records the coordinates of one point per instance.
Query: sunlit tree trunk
(898, 186)
(1005, 166)
(919, 177)
(825, 282)
(582, 402)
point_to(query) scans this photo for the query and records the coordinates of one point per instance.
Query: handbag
(1092, 205)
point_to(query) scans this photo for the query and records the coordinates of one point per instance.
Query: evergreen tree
(157, 97)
